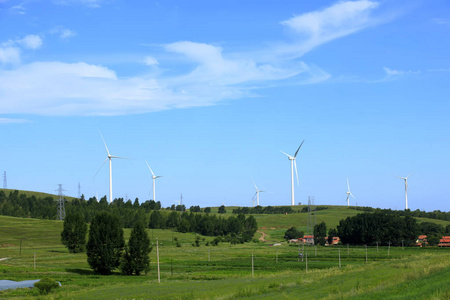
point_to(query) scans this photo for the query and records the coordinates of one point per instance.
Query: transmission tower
(61, 208)
(79, 190)
(5, 185)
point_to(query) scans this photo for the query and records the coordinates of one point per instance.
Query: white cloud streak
(318, 27)
(58, 88)
(12, 121)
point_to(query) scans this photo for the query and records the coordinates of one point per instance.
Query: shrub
(46, 285)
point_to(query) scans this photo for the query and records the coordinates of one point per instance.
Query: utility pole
(61, 208)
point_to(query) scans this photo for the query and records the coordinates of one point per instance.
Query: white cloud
(150, 61)
(31, 41)
(67, 33)
(88, 3)
(318, 27)
(58, 88)
(392, 73)
(12, 121)
(9, 55)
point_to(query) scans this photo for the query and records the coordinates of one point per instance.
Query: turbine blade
(408, 176)
(296, 173)
(150, 168)
(256, 188)
(107, 151)
(298, 149)
(352, 196)
(118, 157)
(348, 185)
(285, 154)
(100, 168)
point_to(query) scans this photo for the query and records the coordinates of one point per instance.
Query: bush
(46, 285)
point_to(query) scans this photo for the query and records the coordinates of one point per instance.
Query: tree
(331, 233)
(222, 209)
(293, 233)
(74, 232)
(135, 259)
(105, 245)
(207, 210)
(320, 232)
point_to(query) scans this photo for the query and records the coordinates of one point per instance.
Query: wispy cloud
(12, 121)
(9, 55)
(31, 41)
(441, 21)
(213, 74)
(390, 73)
(88, 3)
(315, 28)
(63, 32)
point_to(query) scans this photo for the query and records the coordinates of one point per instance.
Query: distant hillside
(36, 194)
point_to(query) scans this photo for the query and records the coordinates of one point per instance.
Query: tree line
(436, 214)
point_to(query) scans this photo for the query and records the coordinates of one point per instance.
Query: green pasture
(34, 251)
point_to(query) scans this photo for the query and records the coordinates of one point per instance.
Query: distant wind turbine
(293, 163)
(154, 181)
(349, 194)
(406, 189)
(110, 167)
(257, 193)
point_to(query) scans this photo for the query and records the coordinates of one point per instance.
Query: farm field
(225, 271)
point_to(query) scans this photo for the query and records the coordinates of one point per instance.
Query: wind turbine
(349, 194)
(154, 180)
(110, 167)
(406, 189)
(257, 193)
(293, 163)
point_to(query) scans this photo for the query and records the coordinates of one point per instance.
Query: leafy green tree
(135, 259)
(222, 209)
(331, 233)
(106, 242)
(293, 233)
(207, 210)
(74, 232)
(156, 220)
(320, 232)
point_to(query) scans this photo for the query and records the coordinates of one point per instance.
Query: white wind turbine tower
(406, 189)
(257, 193)
(110, 167)
(154, 180)
(293, 164)
(349, 194)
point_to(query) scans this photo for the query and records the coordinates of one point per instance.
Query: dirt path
(263, 236)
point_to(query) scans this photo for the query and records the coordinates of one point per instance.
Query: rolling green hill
(36, 194)
(224, 271)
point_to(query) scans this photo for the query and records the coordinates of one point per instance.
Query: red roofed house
(444, 242)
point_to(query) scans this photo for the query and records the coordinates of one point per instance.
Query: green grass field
(225, 271)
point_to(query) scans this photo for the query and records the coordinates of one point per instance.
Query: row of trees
(106, 248)
(264, 210)
(241, 227)
(436, 214)
(23, 206)
(378, 227)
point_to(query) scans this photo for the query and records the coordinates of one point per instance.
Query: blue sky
(209, 92)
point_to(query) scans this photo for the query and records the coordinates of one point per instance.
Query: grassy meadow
(225, 271)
